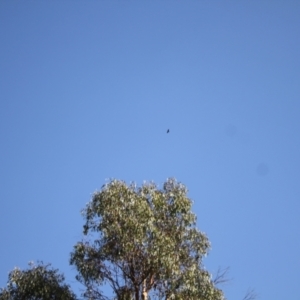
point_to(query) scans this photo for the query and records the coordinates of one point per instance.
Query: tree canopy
(144, 243)
(39, 282)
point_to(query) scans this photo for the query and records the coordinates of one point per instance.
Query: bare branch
(250, 295)
(221, 276)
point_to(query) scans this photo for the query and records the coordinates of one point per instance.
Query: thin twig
(221, 276)
(250, 295)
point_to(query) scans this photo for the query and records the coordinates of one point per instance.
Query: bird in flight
(168, 130)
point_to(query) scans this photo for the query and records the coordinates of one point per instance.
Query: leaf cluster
(144, 240)
(39, 282)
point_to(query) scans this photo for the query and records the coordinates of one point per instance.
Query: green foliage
(143, 241)
(39, 282)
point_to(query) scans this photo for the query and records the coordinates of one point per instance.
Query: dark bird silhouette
(168, 130)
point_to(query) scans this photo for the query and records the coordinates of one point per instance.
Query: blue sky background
(88, 90)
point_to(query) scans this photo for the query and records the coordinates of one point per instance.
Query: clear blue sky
(88, 90)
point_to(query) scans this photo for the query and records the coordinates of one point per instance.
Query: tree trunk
(144, 292)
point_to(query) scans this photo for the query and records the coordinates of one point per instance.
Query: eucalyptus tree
(144, 243)
(39, 282)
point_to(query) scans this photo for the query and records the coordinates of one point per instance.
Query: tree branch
(250, 295)
(221, 276)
